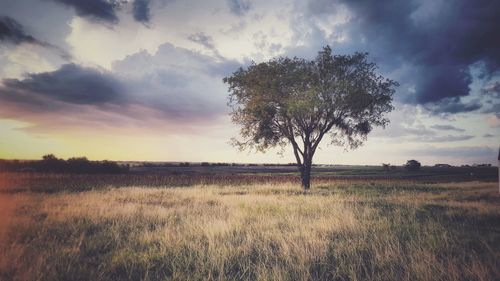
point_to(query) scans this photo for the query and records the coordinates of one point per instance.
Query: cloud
(71, 84)
(183, 84)
(422, 134)
(488, 136)
(174, 87)
(97, 10)
(453, 154)
(239, 7)
(451, 105)
(50, 25)
(181, 60)
(202, 39)
(420, 128)
(444, 139)
(106, 10)
(490, 97)
(492, 89)
(437, 41)
(447, 128)
(462, 151)
(11, 31)
(494, 120)
(206, 41)
(141, 11)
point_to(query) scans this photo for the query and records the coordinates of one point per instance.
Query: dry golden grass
(337, 231)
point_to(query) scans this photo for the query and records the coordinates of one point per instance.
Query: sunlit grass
(337, 231)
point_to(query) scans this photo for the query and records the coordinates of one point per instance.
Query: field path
(7, 207)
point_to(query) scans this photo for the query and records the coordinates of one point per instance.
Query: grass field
(246, 227)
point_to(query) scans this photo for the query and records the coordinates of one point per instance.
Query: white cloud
(23, 59)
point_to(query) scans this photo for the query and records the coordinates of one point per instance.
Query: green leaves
(293, 100)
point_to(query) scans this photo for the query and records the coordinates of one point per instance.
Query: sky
(142, 79)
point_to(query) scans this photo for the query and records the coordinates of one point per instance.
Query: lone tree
(297, 101)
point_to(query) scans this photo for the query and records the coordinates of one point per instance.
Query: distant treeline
(214, 164)
(52, 164)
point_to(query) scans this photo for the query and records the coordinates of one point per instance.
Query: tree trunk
(305, 174)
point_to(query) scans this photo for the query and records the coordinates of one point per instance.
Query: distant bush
(386, 167)
(205, 164)
(219, 164)
(412, 165)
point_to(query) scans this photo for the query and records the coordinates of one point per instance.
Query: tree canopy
(297, 101)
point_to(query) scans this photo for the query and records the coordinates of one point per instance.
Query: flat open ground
(254, 226)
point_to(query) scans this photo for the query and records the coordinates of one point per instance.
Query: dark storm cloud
(71, 84)
(239, 7)
(12, 32)
(451, 105)
(435, 83)
(439, 40)
(141, 11)
(105, 10)
(100, 10)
